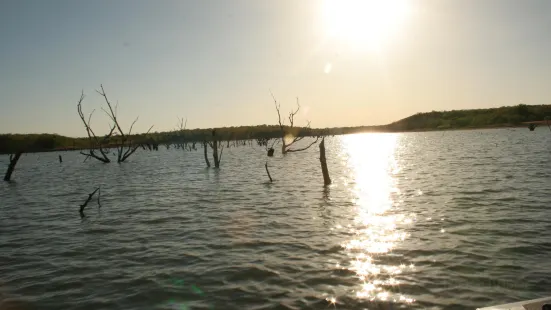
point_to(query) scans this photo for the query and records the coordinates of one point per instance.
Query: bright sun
(365, 23)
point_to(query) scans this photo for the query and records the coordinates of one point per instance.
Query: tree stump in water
(324, 170)
(206, 154)
(11, 166)
(268, 172)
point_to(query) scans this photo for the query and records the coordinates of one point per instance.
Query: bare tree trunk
(215, 154)
(268, 172)
(324, 170)
(286, 147)
(206, 154)
(11, 167)
(215, 144)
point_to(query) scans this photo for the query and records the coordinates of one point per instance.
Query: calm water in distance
(436, 220)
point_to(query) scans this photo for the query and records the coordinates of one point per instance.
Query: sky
(215, 62)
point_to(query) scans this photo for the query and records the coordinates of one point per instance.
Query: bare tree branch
(131, 150)
(292, 115)
(268, 172)
(125, 139)
(286, 146)
(181, 124)
(11, 165)
(92, 138)
(304, 148)
(82, 206)
(278, 107)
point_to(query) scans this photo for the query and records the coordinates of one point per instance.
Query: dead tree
(180, 132)
(11, 165)
(82, 206)
(125, 140)
(206, 154)
(288, 138)
(324, 170)
(214, 144)
(94, 141)
(285, 148)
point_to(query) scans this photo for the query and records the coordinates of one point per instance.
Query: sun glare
(365, 23)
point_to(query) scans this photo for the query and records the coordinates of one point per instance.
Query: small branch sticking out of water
(268, 172)
(11, 166)
(82, 206)
(99, 196)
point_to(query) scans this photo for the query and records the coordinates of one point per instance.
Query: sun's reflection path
(378, 225)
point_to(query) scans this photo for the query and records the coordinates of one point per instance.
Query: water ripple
(439, 220)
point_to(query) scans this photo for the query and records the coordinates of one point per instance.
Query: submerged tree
(215, 144)
(205, 152)
(123, 142)
(82, 206)
(11, 165)
(94, 142)
(288, 135)
(323, 162)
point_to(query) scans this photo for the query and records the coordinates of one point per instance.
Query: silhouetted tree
(94, 141)
(288, 136)
(123, 142)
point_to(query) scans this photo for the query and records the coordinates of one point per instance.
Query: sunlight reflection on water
(376, 224)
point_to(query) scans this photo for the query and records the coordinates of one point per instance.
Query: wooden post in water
(324, 170)
(11, 166)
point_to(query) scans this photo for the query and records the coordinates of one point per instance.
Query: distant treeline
(457, 119)
(10, 143)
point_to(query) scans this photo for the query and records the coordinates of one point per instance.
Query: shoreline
(67, 149)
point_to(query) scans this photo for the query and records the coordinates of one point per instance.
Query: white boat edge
(534, 304)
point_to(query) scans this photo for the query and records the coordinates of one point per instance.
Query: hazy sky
(215, 61)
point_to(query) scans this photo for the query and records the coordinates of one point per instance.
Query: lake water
(436, 220)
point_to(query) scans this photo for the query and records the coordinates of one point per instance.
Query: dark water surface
(440, 220)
